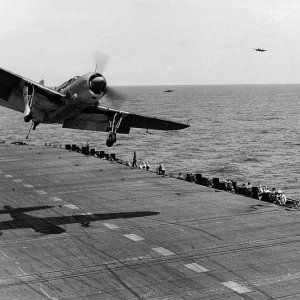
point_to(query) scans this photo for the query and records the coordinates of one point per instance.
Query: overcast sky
(153, 41)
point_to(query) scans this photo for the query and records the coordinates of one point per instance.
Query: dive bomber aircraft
(74, 104)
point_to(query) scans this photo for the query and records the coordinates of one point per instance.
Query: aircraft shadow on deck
(50, 225)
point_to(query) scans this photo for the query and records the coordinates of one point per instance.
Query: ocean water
(242, 132)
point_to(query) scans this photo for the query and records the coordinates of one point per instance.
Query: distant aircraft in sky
(75, 104)
(260, 50)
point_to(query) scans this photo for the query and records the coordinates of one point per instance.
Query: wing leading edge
(10, 81)
(98, 118)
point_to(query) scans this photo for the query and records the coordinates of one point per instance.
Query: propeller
(101, 61)
(113, 98)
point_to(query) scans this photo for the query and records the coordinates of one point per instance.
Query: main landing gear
(28, 94)
(111, 139)
(114, 124)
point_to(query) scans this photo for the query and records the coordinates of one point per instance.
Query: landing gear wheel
(28, 118)
(111, 139)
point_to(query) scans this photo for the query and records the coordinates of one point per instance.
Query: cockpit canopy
(67, 83)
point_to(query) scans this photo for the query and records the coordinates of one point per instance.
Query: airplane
(74, 104)
(259, 49)
(50, 225)
(168, 91)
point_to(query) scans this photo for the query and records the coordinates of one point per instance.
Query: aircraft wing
(12, 224)
(72, 219)
(7, 209)
(97, 118)
(11, 82)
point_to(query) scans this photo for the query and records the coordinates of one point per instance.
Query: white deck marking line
(71, 206)
(111, 226)
(17, 180)
(24, 273)
(7, 160)
(236, 287)
(47, 295)
(8, 176)
(55, 199)
(197, 268)
(40, 192)
(87, 214)
(4, 254)
(134, 237)
(28, 185)
(163, 251)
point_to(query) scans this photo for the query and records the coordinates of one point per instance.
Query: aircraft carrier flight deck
(80, 227)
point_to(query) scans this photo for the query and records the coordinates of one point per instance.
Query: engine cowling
(89, 88)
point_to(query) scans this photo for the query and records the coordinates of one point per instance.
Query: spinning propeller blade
(113, 98)
(101, 60)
